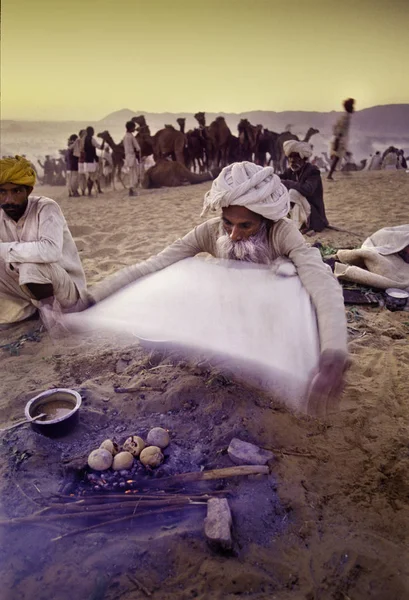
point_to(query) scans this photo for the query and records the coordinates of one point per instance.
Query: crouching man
(40, 267)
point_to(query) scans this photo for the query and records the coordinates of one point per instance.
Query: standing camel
(118, 156)
(284, 137)
(249, 136)
(166, 142)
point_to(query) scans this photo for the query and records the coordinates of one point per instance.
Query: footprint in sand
(80, 230)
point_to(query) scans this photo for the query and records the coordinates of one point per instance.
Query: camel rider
(253, 228)
(304, 182)
(339, 143)
(132, 154)
(40, 267)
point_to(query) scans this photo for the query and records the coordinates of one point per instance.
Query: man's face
(240, 223)
(14, 199)
(295, 161)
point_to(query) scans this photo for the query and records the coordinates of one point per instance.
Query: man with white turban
(40, 267)
(253, 227)
(304, 182)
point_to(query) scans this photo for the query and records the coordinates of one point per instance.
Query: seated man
(39, 262)
(253, 228)
(305, 179)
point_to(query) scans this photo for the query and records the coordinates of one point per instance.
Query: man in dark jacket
(305, 179)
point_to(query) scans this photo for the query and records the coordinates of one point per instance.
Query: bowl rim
(31, 403)
(390, 290)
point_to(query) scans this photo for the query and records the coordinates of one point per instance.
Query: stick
(23, 422)
(121, 390)
(213, 474)
(139, 585)
(152, 512)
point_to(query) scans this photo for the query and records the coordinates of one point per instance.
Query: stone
(123, 460)
(100, 459)
(158, 437)
(244, 453)
(151, 456)
(218, 523)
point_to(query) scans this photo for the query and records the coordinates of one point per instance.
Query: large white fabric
(246, 184)
(254, 321)
(302, 148)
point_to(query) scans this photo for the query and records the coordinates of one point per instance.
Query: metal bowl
(396, 298)
(61, 406)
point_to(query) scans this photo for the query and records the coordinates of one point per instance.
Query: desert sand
(332, 519)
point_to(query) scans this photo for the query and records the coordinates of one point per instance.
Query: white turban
(302, 148)
(246, 184)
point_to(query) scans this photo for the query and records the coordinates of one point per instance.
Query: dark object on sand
(396, 299)
(61, 407)
(356, 296)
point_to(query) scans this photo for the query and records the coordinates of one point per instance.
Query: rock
(123, 460)
(218, 523)
(158, 437)
(243, 453)
(151, 456)
(111, 446)
(134, 445)
(100, 459)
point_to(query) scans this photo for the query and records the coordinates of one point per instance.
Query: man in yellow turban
(40, 267)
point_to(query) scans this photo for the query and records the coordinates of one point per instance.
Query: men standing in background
(78, 151)
(91, 159)
(376, 162)
(132, 151)
(339, 143)
(72, 167)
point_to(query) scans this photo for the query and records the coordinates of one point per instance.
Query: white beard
(255, 249)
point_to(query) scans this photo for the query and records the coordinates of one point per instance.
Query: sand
(332, 519)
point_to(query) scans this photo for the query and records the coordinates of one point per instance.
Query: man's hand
(328, 384)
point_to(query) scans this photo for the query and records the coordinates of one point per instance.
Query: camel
(267, 144)
(118, 156)
(170, 173)
(284, 137)
(182, 123)
(216, 139)
(166, 142)
(249, 137)
(195, 150)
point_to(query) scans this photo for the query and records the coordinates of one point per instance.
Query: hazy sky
(81, 59)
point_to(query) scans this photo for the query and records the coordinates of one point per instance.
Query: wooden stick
(23, 422)
(210, 475)
(133, 516)
(139, 585)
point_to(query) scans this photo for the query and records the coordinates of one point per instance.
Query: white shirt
(41, 235)
(131, 145)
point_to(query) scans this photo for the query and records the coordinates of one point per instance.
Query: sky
(83, 59)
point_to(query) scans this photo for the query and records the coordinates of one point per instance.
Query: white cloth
(302, 148)
(246, 184)
(300, 209)
(266, 335)
(90, 167)
(389, 240)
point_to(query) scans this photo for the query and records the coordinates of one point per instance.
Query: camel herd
(206, 147)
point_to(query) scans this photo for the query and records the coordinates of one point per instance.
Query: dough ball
(111, 446)
(134, 445)
(123, 460)
(158, 437)
(100, 459)
(151, 456)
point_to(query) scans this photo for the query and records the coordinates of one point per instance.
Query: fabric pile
(377, 263)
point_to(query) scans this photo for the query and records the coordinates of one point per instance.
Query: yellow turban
(17, 170)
